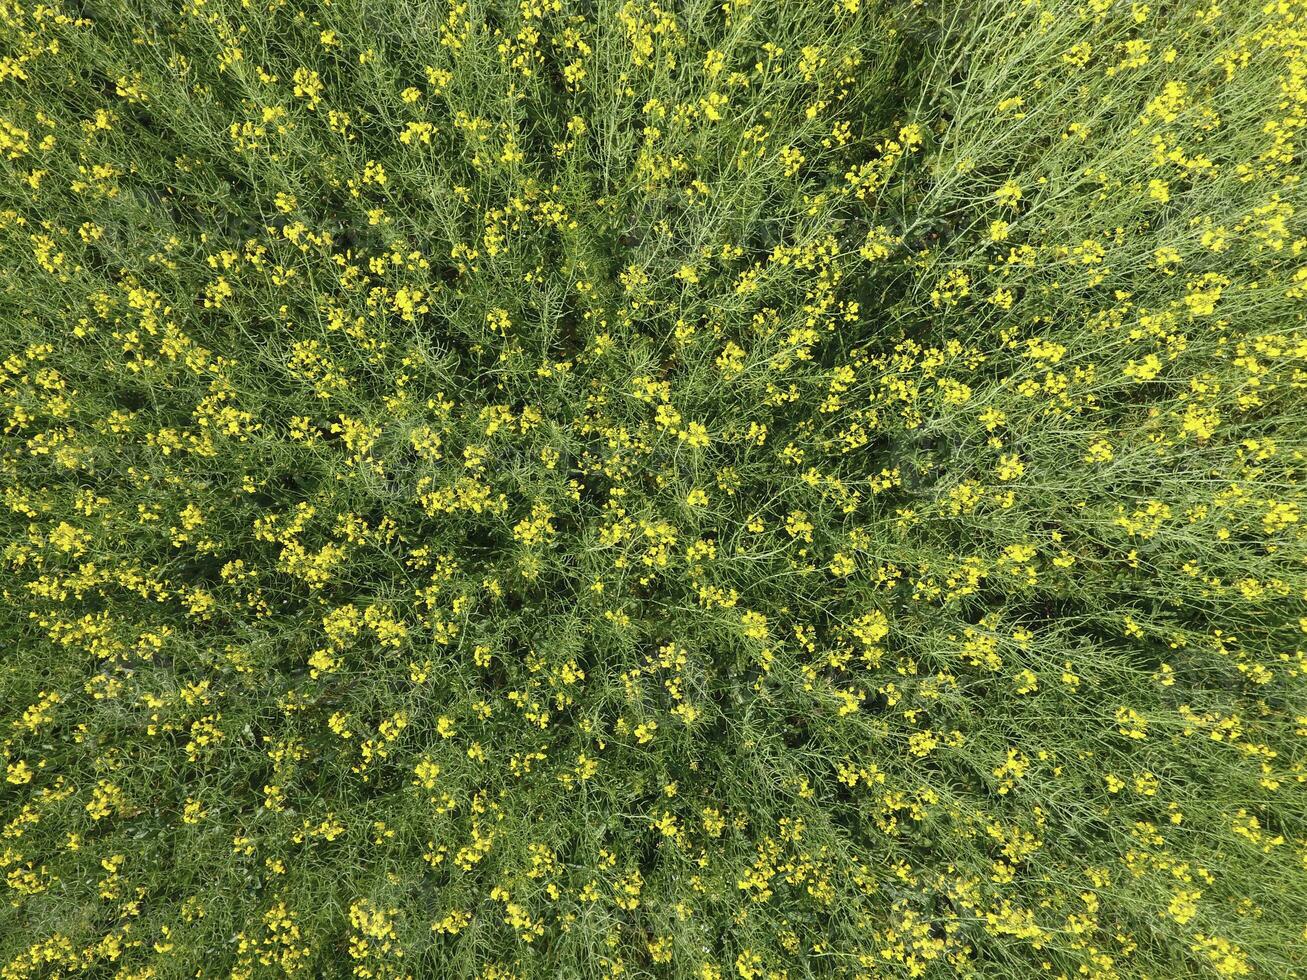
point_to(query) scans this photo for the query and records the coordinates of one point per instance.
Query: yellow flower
(1009, 194)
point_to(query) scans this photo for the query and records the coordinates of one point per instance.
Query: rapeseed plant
(761, 489)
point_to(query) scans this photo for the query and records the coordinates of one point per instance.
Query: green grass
(771, 490)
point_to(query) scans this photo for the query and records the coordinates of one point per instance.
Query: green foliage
(764, 489)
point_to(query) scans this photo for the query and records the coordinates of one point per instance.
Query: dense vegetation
(661, 488)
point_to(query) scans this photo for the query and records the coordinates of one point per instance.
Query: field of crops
(763, 489)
